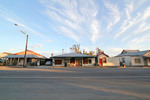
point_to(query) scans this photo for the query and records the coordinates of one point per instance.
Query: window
(137, 60)
(58, 62)
(85, 61)
(90, 61)
(123, 60)
(104, 59)
(72, 60)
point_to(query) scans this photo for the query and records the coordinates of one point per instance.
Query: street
(74, 83)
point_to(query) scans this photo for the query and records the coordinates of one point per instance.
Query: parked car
(1, 62)
(48, 63)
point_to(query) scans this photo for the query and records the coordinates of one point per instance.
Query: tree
(84, 52)
(99, 51)
(76, 48)
(91, 53)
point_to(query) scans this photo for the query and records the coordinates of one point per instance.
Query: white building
(104, 60)
(135, 57)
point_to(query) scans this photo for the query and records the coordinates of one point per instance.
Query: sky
(53, 25)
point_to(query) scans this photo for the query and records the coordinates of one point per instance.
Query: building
(2, 60)
(33, 59)
(104, 60)
(73, 59)
(134, 57)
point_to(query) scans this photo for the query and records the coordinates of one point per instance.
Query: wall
(100, 56)
(58, 59)
(20, 62)
(92, 64)
(127, 60)
(137, 64)
(111, 61)
(148, 61)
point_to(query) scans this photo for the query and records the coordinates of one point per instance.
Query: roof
(103, 54)
(132, 53)
(30, 54)
(127, 51)
(22, 56)
(76, 55)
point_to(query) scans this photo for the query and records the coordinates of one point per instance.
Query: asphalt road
(75, 84)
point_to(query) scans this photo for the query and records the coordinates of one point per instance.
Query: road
(74, 84)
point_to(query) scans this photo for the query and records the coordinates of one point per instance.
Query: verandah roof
(75, 55)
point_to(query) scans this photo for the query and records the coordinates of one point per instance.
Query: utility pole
(25, 58)
(25, 55)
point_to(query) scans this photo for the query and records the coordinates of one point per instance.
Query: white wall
(92, 64)
(127, 60)
(58, 59)
(20, 62)
(100, 56)
(111, 61)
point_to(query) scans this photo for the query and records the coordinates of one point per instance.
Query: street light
(25, 58)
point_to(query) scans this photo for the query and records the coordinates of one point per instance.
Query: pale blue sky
(53, 25)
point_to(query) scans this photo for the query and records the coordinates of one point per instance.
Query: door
(78, 62)
(100, 62)
(145, 62)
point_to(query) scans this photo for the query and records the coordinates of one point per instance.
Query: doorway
(145, 62)
(78, 62)
(100, 62)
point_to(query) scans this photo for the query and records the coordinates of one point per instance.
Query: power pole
(25, 58)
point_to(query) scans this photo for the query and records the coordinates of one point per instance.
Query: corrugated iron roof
(129, 51)
(22, 56)
(29, 54)
(73, 55)
(139, 53)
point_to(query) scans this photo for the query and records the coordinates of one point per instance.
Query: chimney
(62, 51)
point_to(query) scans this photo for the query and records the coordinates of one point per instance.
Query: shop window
(58, 62)
(137, 60)
(72, 60)
(85, 61)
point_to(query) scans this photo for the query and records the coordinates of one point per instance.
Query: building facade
(17, 59)
(104, 60)
(134, 57)
(73, 59)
